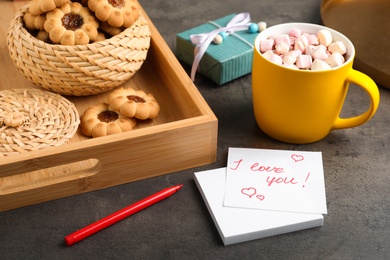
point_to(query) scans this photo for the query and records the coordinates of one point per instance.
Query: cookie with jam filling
(134, 103)
(38, 7)
(71, 24)
(99, 120)
(117, 13)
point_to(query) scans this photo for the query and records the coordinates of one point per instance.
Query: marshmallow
(291, 66)
(337, 46)
(282, 47)
(282, 38)
(276, 59)
(312, 38)
(334, 60)
(319, 65)
(303, 50)
(292, 41)
(300, 43)
(325, 37)
(272, 36)
(266, 45)
(289, 59)
(304, 39)
(319, 52)
(268, 54)
(294, 53)
(304, 61)
(295, 33)
(309, 49)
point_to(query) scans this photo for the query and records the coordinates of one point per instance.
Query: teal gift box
(221, 62)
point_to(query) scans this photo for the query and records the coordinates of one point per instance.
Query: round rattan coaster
(32, 119)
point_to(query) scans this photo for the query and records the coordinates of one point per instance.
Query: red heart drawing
(248, 191)
(297, 157)
(260, 197)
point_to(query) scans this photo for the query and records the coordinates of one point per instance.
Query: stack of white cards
(263, 193)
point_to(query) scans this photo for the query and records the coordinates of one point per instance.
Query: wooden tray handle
(37, 180)
(44, 177)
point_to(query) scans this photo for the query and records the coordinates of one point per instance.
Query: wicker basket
(32, 119)
(78, 70)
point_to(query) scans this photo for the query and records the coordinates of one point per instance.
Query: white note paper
(237, 225)
(279, 180)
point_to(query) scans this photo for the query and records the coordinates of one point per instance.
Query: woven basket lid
(32, 119)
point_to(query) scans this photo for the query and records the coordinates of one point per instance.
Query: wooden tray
(183, 136)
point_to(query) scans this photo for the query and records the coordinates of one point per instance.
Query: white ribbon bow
(239, 22)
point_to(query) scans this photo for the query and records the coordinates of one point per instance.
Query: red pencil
(119, 215)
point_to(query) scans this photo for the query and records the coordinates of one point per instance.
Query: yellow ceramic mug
(303, 106)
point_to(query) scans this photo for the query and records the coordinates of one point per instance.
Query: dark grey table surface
(357, 176)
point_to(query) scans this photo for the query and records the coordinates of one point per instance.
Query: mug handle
(366, 83)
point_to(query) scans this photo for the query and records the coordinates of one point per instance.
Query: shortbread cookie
(99, 121)
(34, 22)
(104, 26)
(38, 7)
(71, 24)
(117, 13)
(43, 36)
(83, 2)
(101, 37)
(134, 103)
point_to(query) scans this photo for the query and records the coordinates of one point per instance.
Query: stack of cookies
(74, 22)
(120, 114)
(84, 48)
